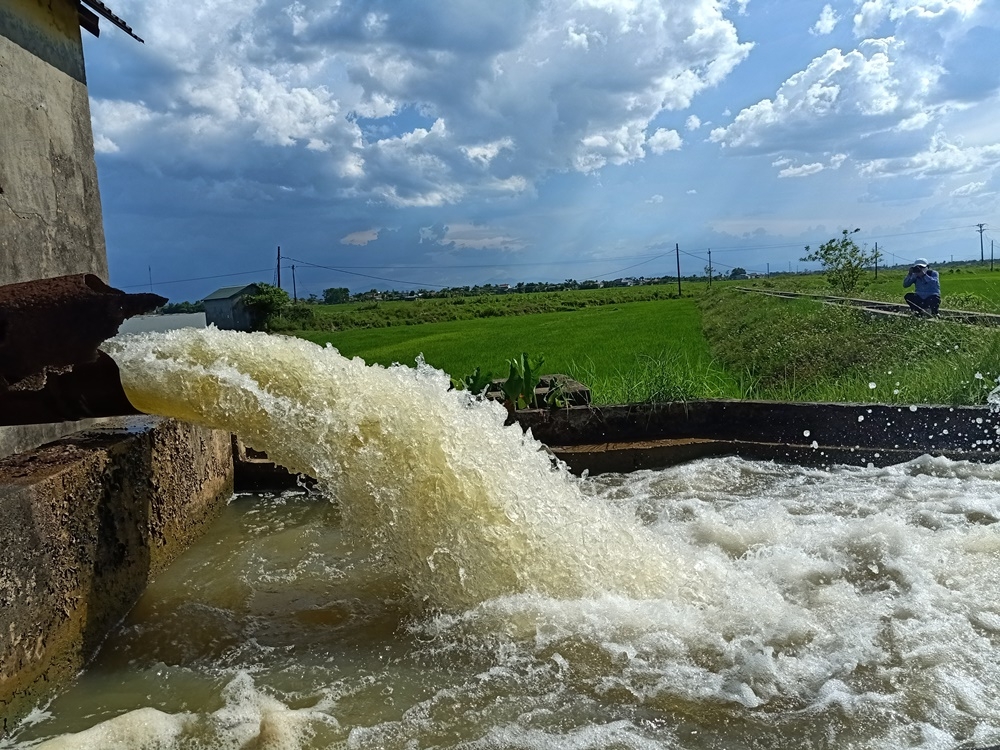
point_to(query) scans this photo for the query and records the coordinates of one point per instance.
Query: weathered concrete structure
(50, 206)
(88, 520)
(649, 436)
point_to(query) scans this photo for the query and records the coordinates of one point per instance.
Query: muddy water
(451, 588)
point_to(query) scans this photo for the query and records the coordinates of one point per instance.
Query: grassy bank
(800, 350)
(964, 287)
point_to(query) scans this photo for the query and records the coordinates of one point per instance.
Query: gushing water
(463, 591)
(462, 509)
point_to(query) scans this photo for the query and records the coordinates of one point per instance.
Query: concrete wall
(647, 436)
(88, 520)
(228, 314)
(50, 207)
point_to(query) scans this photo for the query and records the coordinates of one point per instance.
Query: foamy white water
(461, 508)
(720, 604)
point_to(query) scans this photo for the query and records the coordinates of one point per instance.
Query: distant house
(225, 308)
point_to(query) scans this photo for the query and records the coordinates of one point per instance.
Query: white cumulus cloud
(664, 140)
(826, 23)
(411, 103)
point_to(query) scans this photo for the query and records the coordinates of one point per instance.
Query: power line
(199, 278)
(368, 276)
(635, 265)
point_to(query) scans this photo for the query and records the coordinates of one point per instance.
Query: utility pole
(769, 270)
(981, 228)
(677, 251)
(150, 269)
(709, 268)
(279, 266)
(991, 255)
(876, 261)
(295, 294)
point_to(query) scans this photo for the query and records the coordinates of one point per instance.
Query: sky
(399, 144)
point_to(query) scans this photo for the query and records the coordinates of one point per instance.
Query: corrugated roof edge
(227, 292)
(103, 10)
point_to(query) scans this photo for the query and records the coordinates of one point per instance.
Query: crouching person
(926, 297)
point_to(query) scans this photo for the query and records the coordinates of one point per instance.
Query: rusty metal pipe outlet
(51, 369)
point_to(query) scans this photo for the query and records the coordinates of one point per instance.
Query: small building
(225, 308)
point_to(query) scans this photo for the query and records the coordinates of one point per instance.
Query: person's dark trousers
(923, 305)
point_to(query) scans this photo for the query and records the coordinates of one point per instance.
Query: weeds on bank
(801, 350)
(668, 376)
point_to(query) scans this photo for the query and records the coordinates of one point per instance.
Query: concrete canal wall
(648, 436)
(87, 521)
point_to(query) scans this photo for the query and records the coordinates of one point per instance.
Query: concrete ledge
(659, 454)
(943, 430)
(88, 520)
(629, 437)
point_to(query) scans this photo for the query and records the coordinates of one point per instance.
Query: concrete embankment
(87, 521)
(648, 436)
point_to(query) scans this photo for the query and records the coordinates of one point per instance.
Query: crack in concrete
(19, 214)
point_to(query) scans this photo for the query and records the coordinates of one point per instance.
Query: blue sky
(397, 143)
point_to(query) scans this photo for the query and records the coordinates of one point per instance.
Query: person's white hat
(922, 262)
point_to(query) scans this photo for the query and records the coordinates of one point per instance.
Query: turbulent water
(454, 588)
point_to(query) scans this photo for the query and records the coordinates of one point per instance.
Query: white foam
(430, 478)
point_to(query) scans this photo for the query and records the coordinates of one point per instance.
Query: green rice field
(718, 344)
(653, 350)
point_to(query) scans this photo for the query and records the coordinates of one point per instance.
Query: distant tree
(843, 261)
(266, 305)
(182, 307)
(336, 295)
(739, 271)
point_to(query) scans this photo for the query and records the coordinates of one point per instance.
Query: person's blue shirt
(927, 284)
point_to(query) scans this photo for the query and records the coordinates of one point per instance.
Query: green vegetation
(267, 305)
(725, 344)
(172, 308)
(964, 287)
(844, 263)
(802, 350)
(519, 386)
(627, 353)
(384, 314)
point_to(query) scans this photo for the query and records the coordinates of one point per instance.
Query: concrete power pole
(677, 250)
(279, 266)
(982, 227)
